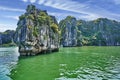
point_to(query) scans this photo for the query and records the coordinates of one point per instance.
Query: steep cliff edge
(99, 32)
(6, 38)
(69, 31)
(36, 32)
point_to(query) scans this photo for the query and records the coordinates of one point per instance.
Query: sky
(10, 10)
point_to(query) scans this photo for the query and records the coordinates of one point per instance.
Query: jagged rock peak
(36, 32)
(6, 38)
(70, 17)
(99, 32)
(68, 33)
(30, 8)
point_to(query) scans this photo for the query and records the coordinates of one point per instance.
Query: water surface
(8, 60)
(76, 63)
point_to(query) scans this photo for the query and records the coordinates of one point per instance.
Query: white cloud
(73, 6)
(117, 2)
(4, 27)
(91, 11)
(66, 5)
(32, 1)
(24, 0)
(41, 1)
(89, 17)
(11, 9)
(78, 16)
(12, 17)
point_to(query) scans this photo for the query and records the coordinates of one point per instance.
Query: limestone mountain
(36, 32)
(6, 38)
(68, 31)
(99, 32)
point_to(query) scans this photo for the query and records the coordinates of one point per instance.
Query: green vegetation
(30, 16)
(43, 18)
(54, 27)
(30, 8)
(45, 37)
(70, 17)
(8, 45)
(30, 27)
(6, 38)
(22, 17)
(36, 19)
(101, 31)
(35, 32)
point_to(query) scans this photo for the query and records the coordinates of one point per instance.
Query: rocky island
(99, 32)
(6, 38)
(37, 32)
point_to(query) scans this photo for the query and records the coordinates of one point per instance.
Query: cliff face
(6, 38)
(36, 32)
(69, 31)
(100, 32)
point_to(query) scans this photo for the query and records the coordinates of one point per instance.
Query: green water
(76, 63)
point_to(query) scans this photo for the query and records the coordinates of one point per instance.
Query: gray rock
(6, 37)
(34, 33)
(99, 32)
(69, 31)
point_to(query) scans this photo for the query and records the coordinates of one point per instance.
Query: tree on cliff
(35, 32)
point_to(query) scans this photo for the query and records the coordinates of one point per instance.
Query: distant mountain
(6, 38)
(99, 32)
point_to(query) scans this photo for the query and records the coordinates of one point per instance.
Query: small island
(6, 38)
(37, 32)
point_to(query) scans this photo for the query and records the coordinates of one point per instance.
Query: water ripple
(8, 60)
(94, 73)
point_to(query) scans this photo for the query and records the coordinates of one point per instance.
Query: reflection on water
(111, 72)
(8, 60)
